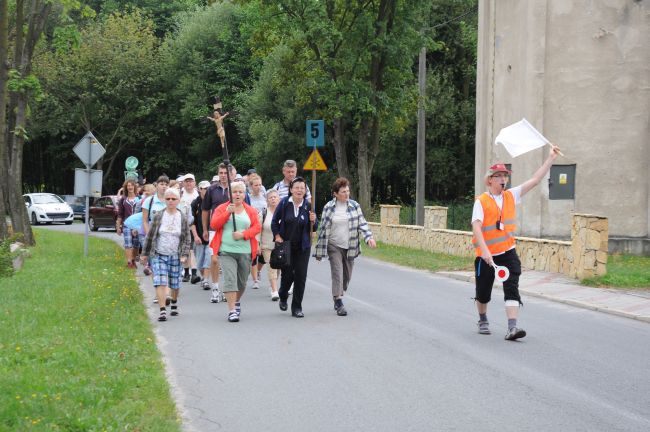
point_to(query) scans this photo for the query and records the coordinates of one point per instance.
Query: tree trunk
(340, 149)
(364, 170)
(4, 70)
(24, 50)
(17, 211)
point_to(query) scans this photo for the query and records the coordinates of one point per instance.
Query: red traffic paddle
(501, 273)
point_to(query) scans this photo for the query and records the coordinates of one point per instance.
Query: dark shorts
(485, 277)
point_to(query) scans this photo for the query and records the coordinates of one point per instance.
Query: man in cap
(493, 224)
(188, 194)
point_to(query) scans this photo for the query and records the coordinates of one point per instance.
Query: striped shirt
(283, 190)
(356, 224)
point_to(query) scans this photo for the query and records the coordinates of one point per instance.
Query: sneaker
(162, 316)
(205, 285)
(256, 284)
(233, 316)
(186, 277)
(484, 327)
(238, 308)
(216, 296)
(275, 296)
(174, 311)
(147, 271)
(515, 333)
(195, 279)
(155, 300)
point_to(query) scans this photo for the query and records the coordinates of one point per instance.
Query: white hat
(189, 176)
(180, 179)
(204, 184)
(215, 178)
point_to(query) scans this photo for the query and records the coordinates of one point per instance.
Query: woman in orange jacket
(236, 249)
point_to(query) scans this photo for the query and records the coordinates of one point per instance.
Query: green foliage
(77, 352)
(6, 257)
(623, 271)
(106, 83)
(29, 84)
(417, 258)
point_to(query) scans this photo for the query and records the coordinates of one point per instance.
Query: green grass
(623, 271)
(417, 258)
(77, 352)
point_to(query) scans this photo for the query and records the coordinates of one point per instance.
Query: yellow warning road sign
(315, 162)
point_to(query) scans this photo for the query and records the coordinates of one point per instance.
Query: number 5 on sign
(315, 133)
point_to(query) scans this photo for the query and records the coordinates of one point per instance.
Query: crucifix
(218, 118)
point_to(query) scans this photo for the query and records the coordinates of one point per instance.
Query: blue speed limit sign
(315, 133)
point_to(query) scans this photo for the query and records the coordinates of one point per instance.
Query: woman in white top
(266, 240)
(258, 201)
(342, 221)
(168, 244)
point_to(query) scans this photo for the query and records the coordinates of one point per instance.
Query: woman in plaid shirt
(342, 221)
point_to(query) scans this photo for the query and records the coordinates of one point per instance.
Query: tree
(353, 61)
(106, 84)
(17, 78)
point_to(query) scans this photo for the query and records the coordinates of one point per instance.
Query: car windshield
(46, 199)
(71, 199)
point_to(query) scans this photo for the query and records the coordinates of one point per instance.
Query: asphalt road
(406, 358)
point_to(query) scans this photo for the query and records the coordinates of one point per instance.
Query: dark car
(103, 213)
(78, 205)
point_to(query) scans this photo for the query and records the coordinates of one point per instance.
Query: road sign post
(314, 137)
(89, 150)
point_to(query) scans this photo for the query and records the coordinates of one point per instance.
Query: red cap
(499, 167)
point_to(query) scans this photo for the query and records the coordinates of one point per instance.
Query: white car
(47, 208)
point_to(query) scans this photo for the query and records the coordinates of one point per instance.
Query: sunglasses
(171, 199)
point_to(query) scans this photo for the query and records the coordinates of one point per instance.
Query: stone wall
(584, 256)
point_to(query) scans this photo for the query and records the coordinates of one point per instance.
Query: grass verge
(77, 352)
(624, 271)
(417, 258)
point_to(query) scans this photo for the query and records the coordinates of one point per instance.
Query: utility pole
(419, 176)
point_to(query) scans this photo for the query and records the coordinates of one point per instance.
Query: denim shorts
(166, 271)
(130, 242)
(202, 253)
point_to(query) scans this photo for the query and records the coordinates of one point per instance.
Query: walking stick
(217, 118)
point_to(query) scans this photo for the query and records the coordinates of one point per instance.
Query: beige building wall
(579, 71)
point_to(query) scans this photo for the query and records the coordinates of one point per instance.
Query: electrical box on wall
(561, 183)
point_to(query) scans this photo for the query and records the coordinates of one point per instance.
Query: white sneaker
(275, 296)
(216, 296)
(256, 284)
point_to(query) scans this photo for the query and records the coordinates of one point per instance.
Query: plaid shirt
(356, 224)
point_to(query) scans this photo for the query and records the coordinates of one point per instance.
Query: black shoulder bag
(281, 253)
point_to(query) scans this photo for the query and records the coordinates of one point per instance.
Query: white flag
(520, 138)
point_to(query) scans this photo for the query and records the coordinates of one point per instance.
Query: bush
(6, 257)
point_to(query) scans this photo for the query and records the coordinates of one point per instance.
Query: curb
(604, 309)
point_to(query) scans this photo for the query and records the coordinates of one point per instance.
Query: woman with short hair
(236, 248)
(342, 222)
(168, 243)
(292, 222)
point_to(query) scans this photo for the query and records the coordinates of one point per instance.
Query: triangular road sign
(315, 162)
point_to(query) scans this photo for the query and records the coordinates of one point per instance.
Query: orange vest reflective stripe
(497, 241)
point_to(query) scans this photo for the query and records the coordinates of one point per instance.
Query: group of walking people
(234, 224)
(226, 229)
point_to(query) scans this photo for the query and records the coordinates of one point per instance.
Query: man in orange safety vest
(494, 221)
